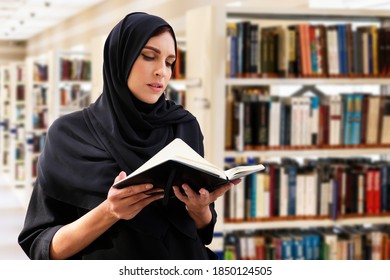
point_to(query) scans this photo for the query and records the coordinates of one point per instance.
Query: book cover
(348, 112)
(238, 124)
(385, 121)
(372, 120)
(178, 163)
(292, 181)
(231, 49)
(254, 49)
(260, 179)
(323, 133)
(335, 119)
(275, 114)
(314, 117)
(292, 55)
(229, 116)
(357, 120)
(285, 121)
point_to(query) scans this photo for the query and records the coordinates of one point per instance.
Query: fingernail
(148, 186)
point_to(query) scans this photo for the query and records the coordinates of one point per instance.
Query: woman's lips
(156, 86)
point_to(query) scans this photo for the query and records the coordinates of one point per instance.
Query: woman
(74, 213)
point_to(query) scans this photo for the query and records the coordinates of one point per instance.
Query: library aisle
(11, 221)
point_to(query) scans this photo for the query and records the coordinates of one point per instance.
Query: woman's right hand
(126, 203)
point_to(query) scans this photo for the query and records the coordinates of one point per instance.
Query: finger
(179, 195)
(136, 198)
(121, 176)
(236, 181)
(135, 208)
(188, 191)
(204, 194)
(133, 190)
(222, 190)
(154, 191)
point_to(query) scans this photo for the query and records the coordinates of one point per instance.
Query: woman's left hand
(197, 204)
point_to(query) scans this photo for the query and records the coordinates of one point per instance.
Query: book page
(241, 171)
(179, 151)
(201, 164)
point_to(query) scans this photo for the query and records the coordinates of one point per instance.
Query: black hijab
(85, 150)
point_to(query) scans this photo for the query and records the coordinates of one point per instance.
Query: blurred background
(51, 64)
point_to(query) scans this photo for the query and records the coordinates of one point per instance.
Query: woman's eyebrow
(158, 51)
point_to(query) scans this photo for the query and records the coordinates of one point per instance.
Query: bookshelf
(72, 81)
(55, 83)
(176, 90)
(304, 223)
(17, 127)
(215, 84)
(39, 100)
(5, 119)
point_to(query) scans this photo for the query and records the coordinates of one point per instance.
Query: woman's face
(152, 70)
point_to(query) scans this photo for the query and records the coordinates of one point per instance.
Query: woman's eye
(169, 64)
(147, 57)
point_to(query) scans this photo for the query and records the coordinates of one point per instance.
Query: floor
(12, 212)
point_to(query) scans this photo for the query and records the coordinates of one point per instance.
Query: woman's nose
(160, 70)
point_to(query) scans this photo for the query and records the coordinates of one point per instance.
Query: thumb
(121, 176)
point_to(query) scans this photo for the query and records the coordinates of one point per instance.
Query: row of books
(20, 93)
(20, 172)
(34, 167)
(40, 95)
(257, 120)
(307, 50)
(20, 113)
(179, 72)
(5, 158)
(20, 74)
(4, 124)
(75, 69)
(40, 72)
(40, 119)
(69, 95)
(331, 188)
(178, 96)
(38, 142)
(20, 152)
(350, 244)
(6, 77)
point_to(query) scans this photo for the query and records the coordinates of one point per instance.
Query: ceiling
(351, 4)
(23, 19)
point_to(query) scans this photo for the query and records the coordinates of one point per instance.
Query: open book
(177, 163)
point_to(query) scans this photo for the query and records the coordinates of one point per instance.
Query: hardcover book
(177, 164)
